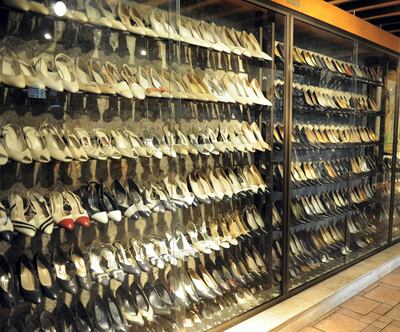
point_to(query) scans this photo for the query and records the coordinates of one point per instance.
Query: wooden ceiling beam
(375, 6)
(375, 17)
(198, 5)
(339, 2)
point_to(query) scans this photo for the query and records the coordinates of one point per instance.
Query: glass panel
(323, 139)
(227, 64)
(375, 93)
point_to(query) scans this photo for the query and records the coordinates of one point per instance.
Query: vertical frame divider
(287, 109)
(394, 155)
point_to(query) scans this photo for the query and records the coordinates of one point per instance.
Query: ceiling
(382, 13)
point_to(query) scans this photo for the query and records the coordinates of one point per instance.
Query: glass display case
(179, 165)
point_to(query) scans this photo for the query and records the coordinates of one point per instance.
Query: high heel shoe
(91, 204)
(98, 312)
(42, 217)
(61, 211)
(92, 150)
(81, 317)
(48, 284)
(36, 145)
(134, 196)
(139, 256)
(55, 144)
(97, 270)
(107, 202)
(77, 151)
(78, 213)
(105, 144)
(15, 144)
(115, 315)
(127, 207)
(128, 306)
(66, 70)
(113, 270)
(29, 286)
(145, 309)
(126, 259)
(81, 271)
(17, 216)
(158, 305)
(7, 298)
(64, 275)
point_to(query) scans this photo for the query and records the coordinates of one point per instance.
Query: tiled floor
(376, 308)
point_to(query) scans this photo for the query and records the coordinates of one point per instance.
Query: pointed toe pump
(18, 208)
(66, 71)
(42, 216)
(46, 278)
(61, 211)
(82, 274)
(99, 314)
(6, 225)
(36, 145)
(7, 298)
(29, 286)
(115, 314)
(81, 317)
(128, 307)
(47, 322)
(10, 70)
(65, 276)
(77, 212)
(55, 144)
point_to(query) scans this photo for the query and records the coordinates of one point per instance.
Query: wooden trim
(332, 15)
(376, 6)
(369, 18)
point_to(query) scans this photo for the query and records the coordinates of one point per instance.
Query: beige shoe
(116, 81)
(36, 145)
(85, 78)
(95, 15)
(100, 78)
(105, 143)
(108, 12)
(32, 78)
(147, 84)
(45, 67)
(66, 70)
(38, 7)
(3, 155)
(129, 75)
(17, 4)
(10, 70)
(15, 144)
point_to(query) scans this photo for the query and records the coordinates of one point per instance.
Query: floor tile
(392, 279)
(360, 305)
(390, 328)
(384, 319)
(367, 319)
(339, 323)
(371, 328)
(349, 313)
(309, 329)
(394, 313)
(395, 322)
(379, 324)
(382, 309)
(383, 295)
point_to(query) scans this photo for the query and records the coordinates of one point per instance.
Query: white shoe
(85, 78)
(15, 144)
(32, 78)
(100, 78)
(123, 144)
(105, 144)
(45, 67)
(66, 70)
(36, 145)
(55, 144)
(42, 217)
(3, 155)
(115, 80)
(10, 70)
(128, 74)
(18, 218)
(92, 151)
(136, 143)
(77, 151)
(6, 226)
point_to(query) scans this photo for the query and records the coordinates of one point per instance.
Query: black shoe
(128, 307)
(7, 298)
(82, 320)
(82, 273)
(98, 312)
(135, 197)
(126, 205)
(114, 312)
(142, 302)
(66, 320)
(165, 295)
(107, 202)
(32, 324)
(91, 204)
(16, 326)
(47, 281)
(65, 276)
(159, 306)
(29, 285)
(47, 322)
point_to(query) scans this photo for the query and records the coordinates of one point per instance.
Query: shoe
(107, 202)
(17, 4)
(81, 317)
(15, 144)
(97, 270)
(95, 15)
(105, 144)
(61, 211)
(116, 81)
(99, 314)
(6, 226)
(10, 70)
(32, 78)
(66, 319)
(7, 298)
(56, 146)
(138, 253)
(84, 76)
(42, 217)
(65, 276)
(90, 202)
(36, 145)
(112, 268)
(134, 196)
(100, 78)
(92, 151)
(48, 284)
(82, 274)
(45, 67)
(145, 309)
(129, 75)
(18, 207)
(158, 305)
(127, 207)
(47, 322)
(115, 315)
(126, 259)
(77, 212)
(128, 306)
(136, 143)
(66, 71)
(123, 144)
(75, 147)
(29, 286)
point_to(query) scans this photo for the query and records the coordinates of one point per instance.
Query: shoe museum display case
(181, 165)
